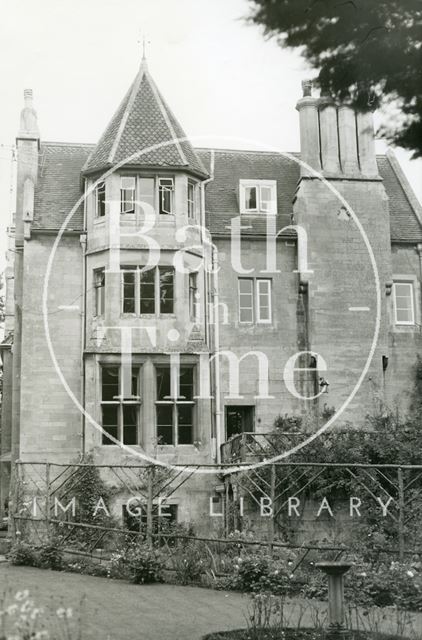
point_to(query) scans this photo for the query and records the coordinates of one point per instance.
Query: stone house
(134, 262)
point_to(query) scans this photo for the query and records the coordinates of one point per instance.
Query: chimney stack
(334, 139)
(309, 128)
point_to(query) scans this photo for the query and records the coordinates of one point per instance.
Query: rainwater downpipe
(209, 257)
(83, 240)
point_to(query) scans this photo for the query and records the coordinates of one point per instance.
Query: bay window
(147, 291)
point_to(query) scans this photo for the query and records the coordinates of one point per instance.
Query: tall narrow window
(99, 288)
(263, 300)
(193, 296)
(147, 291)
(246, 300)
(129, 290)
(165, 194)
(120, 402)
(404, 312)
(100, 200)
(251, 199)
(166, 275)
(127, 194)
(191, 199)
(175, 404)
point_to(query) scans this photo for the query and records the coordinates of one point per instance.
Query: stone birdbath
(335, 571)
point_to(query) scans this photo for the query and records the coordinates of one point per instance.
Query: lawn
(116, 610)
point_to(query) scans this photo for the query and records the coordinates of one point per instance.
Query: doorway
(238, 420)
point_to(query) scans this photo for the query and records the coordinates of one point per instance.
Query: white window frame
(410, 285)
(256, 308)
(160, 183)
(134, 190)
(99, 290)
(97, 209)
(258, 184)
(258, 283)
(239, 293)
(192, 202)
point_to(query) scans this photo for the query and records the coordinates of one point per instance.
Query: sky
(224, 81)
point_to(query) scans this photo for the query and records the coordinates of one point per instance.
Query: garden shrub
(145, 565)
(50, 557)
(189, 563)
(22, 553)
(257, 574)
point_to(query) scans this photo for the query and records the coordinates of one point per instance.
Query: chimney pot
(307, 88)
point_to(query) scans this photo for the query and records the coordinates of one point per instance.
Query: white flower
(27, 606)
(41, 634)
(35, 613)
(61, 612)
(22, 595)
(410, 574)
(11, 609)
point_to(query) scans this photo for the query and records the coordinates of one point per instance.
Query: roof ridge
(164, 108)
(405, 184)
(67, 144)
(223, 150)
(135, 88)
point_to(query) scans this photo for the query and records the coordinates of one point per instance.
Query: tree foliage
(368, 53)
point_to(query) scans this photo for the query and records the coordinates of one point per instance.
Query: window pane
(99, 284)
(264, 300)
(147, 192)
(163, 383)
(166, 195)
(127, 194)
(129, 380)
(245, 300)
(147, 291)
(250, 197)
(403, 302)
(166, 289)
(110, 383)
(193, 301)
(185, 424)
(191, 200)
(165, 423)
(110, 422)
(129, 292)
(186, 383)
(267, 199)
(100, 199)
(130, 424)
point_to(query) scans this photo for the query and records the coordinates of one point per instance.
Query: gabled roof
(144, 120)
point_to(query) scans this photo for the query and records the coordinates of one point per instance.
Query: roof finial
(144, 43)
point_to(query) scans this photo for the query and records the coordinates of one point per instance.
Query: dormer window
(127, 194)
(165, 195)
(100, 200)
(258, 196)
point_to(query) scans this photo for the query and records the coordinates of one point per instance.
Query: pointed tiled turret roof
(143, 120)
